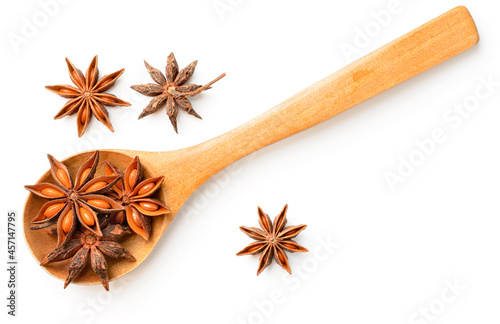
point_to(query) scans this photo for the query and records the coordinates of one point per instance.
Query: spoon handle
(423, 48)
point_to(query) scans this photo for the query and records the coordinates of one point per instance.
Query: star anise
(89, 97)
(273, 240)
(85, 244)
(135, 195)
(73, 202)
(172, 90)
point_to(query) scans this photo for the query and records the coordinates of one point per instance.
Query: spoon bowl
(185, 170)
(42, 244)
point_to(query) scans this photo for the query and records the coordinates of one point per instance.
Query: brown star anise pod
(135, 195)
(172, 90)
(84, 244)
(273, 240)
(89, 97)
(73, 202)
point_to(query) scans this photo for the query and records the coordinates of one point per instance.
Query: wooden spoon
(186, 169)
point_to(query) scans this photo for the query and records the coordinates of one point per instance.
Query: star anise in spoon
(88, 98)
(74, 202)
(135, 195)
(85, 245)
(172, 90)
(273, 240)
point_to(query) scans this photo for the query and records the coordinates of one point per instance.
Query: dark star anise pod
(84, 245)
(135, 195)
(273, 240)
(89, 97)
(171, 90)
(73, 202)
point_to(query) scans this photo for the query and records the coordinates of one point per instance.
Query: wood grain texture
(185, 170)
(423, 48)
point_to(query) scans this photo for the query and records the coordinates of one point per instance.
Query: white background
(395, 251)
